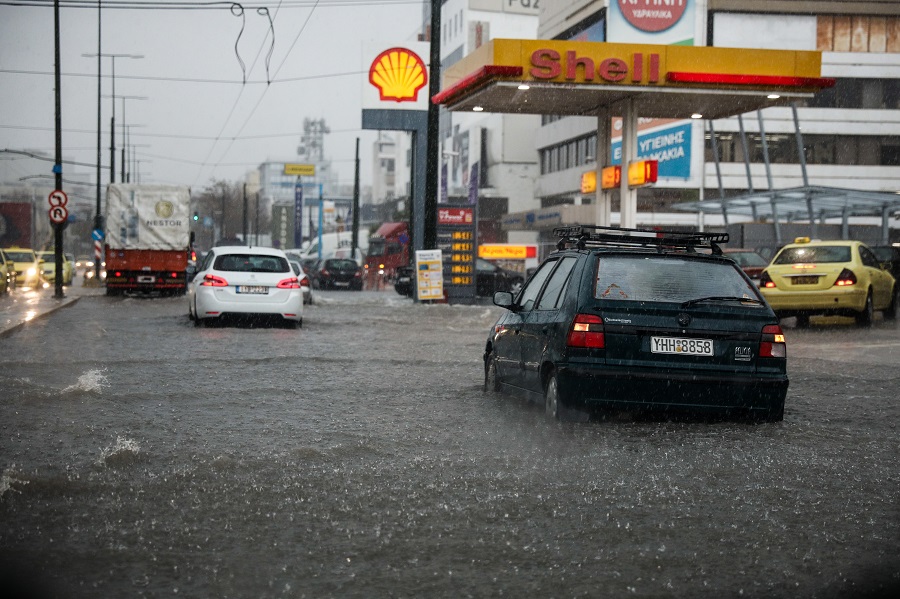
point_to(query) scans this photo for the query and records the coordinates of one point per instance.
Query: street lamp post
(122, 178)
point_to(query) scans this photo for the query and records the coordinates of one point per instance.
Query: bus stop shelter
(603, 79)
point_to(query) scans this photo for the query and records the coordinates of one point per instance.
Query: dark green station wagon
(644, 321)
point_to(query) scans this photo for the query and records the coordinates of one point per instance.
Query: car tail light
(289, 283)
(772, 343)
(357, 274)
(324, 273)
(213, 281)
(586, 331)
(766, 281)
(304, 281)
(846, 278)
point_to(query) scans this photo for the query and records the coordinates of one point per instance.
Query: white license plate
(676, 345)
(341, 284)
(252, 289)
(146, 279)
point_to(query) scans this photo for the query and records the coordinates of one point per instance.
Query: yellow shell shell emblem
(398, 74)
(165, 209)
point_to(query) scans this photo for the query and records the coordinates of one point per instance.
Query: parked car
(245, 282)
(338, 273)
(842, 278)
(889, 257)
(634, 320)
(305, 283)
(27, 266)
(4, 275)
(749, 260)
(490, 278)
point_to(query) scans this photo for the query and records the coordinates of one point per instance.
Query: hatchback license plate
(675, 345)
(256, 289)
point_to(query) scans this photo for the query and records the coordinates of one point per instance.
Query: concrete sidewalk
(22, 305)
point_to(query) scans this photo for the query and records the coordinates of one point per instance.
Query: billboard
(15, 224)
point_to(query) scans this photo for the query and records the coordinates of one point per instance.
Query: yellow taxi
(8, 269)
(49, 267)
(842, 278)
(27, 265)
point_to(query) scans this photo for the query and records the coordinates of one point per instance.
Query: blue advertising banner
(671, 147)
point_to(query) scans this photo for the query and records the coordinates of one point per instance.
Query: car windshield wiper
(720, 298)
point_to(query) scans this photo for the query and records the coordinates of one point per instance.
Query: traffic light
(196, 217)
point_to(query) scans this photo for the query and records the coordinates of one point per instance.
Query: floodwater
(357, 457)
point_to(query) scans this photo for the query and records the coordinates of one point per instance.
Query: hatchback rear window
(658, 279)
(814, 254)
(341, 264)
(251, 263)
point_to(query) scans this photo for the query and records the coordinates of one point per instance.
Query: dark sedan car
(337, 273)
(889, 258)
(625, 319)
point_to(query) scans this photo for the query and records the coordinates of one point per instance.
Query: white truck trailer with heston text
(148, 238)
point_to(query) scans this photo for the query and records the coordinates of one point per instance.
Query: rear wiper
(720, 298)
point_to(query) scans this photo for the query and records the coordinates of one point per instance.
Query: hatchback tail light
(289, 283)
(846, 278)
(766, 281)
(586, 331)
(304, 281)
(214, 281)
(772, 343)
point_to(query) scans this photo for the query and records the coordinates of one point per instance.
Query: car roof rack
(593, 236)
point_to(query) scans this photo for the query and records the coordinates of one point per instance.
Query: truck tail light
(289, 283)
(586, 331)
(772, 343)
(766, 281)
(214, 281)
(846, 278)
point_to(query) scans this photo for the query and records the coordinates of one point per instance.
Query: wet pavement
(23, 305)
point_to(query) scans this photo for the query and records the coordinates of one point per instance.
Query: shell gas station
(631, 81)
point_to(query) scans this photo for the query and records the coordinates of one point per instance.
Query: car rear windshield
(251, 263)
(341, 264)
(814, 254)
(668, 279)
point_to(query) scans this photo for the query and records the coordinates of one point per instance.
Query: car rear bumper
(836, 299)
(631, 389)
(213, 302)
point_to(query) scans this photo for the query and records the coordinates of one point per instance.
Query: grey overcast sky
(200, 121)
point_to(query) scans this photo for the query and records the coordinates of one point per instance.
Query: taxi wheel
(867, 316)
(491, 382)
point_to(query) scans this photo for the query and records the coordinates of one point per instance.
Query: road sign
(97, 234)
(58, 198)
(58, 214)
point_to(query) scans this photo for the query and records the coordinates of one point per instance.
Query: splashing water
(8, 478)
(125, 451)
(92, 380)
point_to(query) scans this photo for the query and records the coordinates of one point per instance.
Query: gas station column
(628, 195)
(602, 201)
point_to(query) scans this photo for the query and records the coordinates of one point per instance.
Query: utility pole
(355, 225)
(431, 159)
(58, 227)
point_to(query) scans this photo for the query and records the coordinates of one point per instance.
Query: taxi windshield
(21, 256)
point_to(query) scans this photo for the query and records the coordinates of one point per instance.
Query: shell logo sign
(398, 74)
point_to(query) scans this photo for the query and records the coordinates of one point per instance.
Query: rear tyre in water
(555, 409)
(867, 316)
(891, 311)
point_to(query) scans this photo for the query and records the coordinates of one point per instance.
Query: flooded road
(358, 457)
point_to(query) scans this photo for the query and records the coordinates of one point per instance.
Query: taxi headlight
(31, 271)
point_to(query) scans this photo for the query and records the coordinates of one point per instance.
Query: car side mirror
(504, 299)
